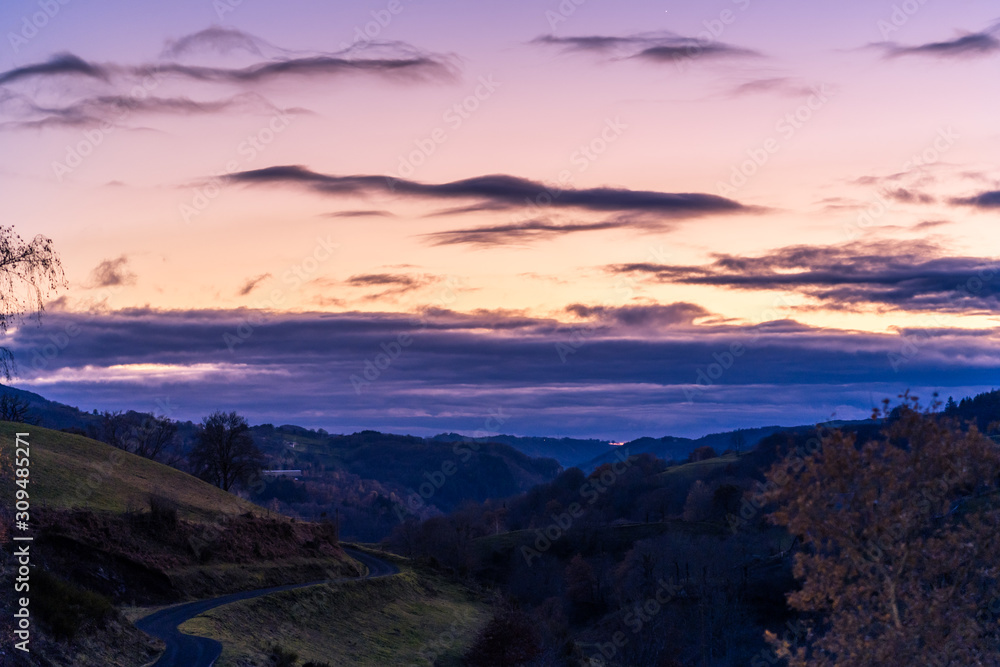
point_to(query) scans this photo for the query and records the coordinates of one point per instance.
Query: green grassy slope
(405, 619)
(71, 471)
(699, 469)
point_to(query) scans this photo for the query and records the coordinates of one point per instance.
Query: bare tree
(151, 436)
(137, 432)
(13, 408)
(739, 440)
(224, 453)
(114, 428)
(28, 273)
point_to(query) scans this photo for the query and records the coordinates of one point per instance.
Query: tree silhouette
(509, 639)
(582, 588)
(899, 559)
(15, 409)
(137, 432)
(739, 439)
(28, 273)
(224, 453)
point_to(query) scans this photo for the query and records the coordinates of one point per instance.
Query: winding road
(191, 651)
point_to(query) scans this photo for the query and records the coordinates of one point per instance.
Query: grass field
(71, 471)
(204, 581)
(405, 619)
(698, 469)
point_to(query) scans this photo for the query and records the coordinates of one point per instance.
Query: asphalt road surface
(190, 651)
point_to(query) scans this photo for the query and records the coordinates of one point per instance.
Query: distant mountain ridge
(676, 448)
(52, 414)
(373, 481)
(568, 451)
(586, 454)
(442, 474)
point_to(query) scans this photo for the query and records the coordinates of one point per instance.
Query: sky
(576, 218)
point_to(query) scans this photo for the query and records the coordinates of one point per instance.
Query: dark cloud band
(451, 369)
(501, 191)
(903, 275)
(653, 47)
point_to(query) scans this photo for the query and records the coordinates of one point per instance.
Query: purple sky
(596, 219)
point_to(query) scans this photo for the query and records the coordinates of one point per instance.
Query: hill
(671, 448)
(376, 480)
(74, 472)
(52, 414)
(372, 480)
(983, 409)
(567, 451)
(483, 470)
(679, 559)
(111, 529)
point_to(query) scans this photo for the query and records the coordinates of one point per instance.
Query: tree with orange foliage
(900, 562)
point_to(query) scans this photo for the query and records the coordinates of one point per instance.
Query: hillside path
(191, 651)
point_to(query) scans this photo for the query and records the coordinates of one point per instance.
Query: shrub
(64, 607)
(508, 639)
(282, 657)
(702, 454)
(162, 513)
(698, 506)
